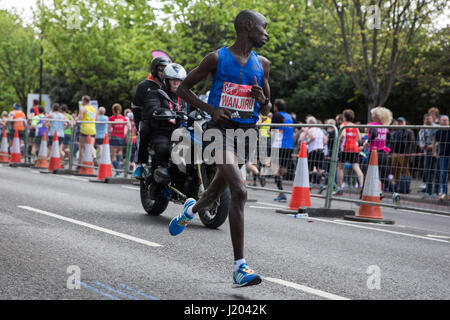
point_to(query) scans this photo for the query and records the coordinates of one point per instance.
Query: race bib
(237, 98)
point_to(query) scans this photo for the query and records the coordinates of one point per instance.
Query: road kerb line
(94, 227)
(306, 289)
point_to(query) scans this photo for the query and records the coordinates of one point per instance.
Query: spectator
(68, 130)
(264, 140)
(4, 123)
(442, 138)
(56, 123)
(339, 119)
(430, 163)
(349, 142)
(101, 129)
(34, 111)
(378, 138)
(38, 123)
(88, 116)
(328, 150)
(133, 153)
(436, 115)
(118, 133)
(284, 142)
(19, 123)
(403, 144)
(315, 141)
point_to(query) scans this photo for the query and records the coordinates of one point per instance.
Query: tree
(99, 48)
(377, 39)
(19, 56)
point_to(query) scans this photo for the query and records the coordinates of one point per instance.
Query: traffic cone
(105, 170)
(55, 157)
(300, 191)
(371, 193)
(15, 149)
(42, 161)
(4, 154)
(87, 161)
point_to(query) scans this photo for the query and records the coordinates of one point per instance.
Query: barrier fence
(69, 142)
(411, 176)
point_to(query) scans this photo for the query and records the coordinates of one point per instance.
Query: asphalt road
(55, 227)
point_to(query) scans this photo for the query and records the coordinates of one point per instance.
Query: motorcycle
(178, 180)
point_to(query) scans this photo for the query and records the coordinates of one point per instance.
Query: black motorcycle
(178, 180)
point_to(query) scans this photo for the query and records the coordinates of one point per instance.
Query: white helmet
(173, 71)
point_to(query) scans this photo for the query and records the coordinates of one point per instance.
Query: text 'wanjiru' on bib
(237, 98)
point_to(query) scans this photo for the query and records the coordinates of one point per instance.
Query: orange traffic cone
(15, 149)
(105, 170)
(87, 161)
(55, 157)
(300, 192)
(371, 193)
(42, 161)
(4, 154)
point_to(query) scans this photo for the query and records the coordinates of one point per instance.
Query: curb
(21, 165)
(319, 212)
(361, 219)
(119, 180)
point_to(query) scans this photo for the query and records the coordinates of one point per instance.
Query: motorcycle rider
(156, 103)
(140, 104)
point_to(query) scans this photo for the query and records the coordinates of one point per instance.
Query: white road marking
(274, 205)
(132, 188)
(94, 227)
(438, 236)
(256, 207)
(375, 229)
(72, 178)
(296, 286)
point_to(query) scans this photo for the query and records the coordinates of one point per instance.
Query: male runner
(237, 67)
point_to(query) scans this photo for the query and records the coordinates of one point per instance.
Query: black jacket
(154, 101)
(143, 90)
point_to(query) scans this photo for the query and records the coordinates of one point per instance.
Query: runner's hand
(257, 92)
(220, 114)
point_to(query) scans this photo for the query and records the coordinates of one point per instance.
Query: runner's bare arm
(265, 109)
(208, 65)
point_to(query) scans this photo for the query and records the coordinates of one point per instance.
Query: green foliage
(19, 60)
(103, 49)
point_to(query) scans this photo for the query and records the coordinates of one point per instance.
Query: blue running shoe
(138, 172)
(281, 198)
(179, 223)
(245, 277)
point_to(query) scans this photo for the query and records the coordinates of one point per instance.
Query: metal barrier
(404, 164)
(9, 126)
(75, 147)
(410, 178)
(320, 164)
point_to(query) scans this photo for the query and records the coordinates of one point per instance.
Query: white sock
(238, 263)
(189, 212)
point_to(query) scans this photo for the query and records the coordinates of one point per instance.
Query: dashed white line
(91, 226)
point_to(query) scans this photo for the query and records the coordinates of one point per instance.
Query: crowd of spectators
(87, 125)
(403, 153)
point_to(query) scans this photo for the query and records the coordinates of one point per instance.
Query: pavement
(56, 230)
